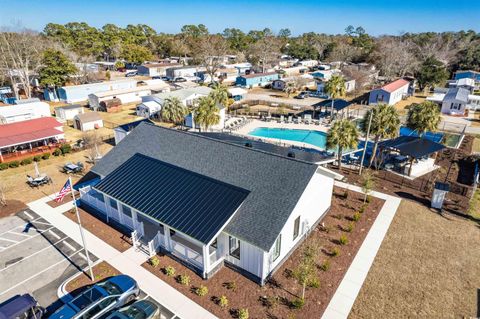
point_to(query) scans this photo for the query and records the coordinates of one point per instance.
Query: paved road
(36, 258)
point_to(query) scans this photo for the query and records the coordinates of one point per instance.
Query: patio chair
(290, 118)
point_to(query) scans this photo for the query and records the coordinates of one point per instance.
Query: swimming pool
(316, 138)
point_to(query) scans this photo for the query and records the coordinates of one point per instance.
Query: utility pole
(81, 230)
(366, 142)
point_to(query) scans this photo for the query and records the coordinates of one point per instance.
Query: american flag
(64, 191)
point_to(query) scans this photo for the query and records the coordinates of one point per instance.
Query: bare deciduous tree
(264, 52)
(211, 50)
(20, 56)
(3, 196)
(395, 57)
(92, 143)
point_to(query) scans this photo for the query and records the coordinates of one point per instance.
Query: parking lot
(35, 257)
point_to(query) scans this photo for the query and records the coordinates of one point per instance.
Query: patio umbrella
(37, 172)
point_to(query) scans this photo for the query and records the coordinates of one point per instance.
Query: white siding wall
(396, 96)
(311, 207)
(251, 257)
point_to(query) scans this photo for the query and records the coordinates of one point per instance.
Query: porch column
(120, 211)
(134, 219)
(1, 156)
(206, 260)
(107, 206)
(168, 240)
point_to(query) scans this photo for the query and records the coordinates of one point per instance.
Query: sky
(332, 17)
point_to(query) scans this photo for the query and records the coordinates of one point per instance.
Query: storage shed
(87, 121)
(68, 112)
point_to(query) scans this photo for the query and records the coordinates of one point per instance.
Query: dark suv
(21, 307)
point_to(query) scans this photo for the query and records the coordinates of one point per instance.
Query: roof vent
(291, 154)
(248, 144)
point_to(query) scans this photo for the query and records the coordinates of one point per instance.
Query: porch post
(1, 156)
(206, 260)
(134, 219)
(107, 206)
(168, 240)
(120, 211)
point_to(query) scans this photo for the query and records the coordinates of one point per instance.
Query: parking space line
(37, 274)
(26, 213)
(35, 253)
(54, 234)
(27, 239)
(69, 246)
(19, 234)
(41, 223)
(20, 226)
(10, 240)
(83, 256)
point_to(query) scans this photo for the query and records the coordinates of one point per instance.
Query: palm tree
(424, 117)
(385, 124)
(219, 94)
(335, 88)
(207, 112)
(173, 110)
(343, 135)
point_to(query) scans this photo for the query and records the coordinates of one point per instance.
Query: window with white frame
(277, 247)
(113, 203)
(234, 247)
(127, 211)
(296, 227)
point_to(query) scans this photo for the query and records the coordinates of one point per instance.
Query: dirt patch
(102, 230)
(101, 271)
(274, 300)
(11, 208)
(427, 267)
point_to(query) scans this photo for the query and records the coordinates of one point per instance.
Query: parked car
(179, 79)
(131, 73)
(21, 307)
(156, 77)
(301, 95)
(142, 309)
(105, 296)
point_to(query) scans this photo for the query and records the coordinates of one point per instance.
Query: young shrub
(169, 271)
(298, 303)
(343, 240)
(3, 166)
(345, 194)
(184, 280)
(232, 285)
(349, 228)
(223, 302)
(57, 152)
(14, 164)
(201, 291)
(242, 313)
(26, 161)
(335, 252)
(368, 199)
(37, 158)
(154, 261)
(325, 265)
(314, 283)
(356, 216)
(65, 148)
(362, 209)
(45, 156)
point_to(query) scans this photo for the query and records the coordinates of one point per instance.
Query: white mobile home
(79, 93)
(155, 69)
(24, 111)
(249, 220)
(391, 93)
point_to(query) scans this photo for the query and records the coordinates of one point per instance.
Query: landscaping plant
(356, 216)
(343, 240)
(368, 183)
(335, 252)
(201, 291)
(14, 164)
(325, 265)
(242, 313)
(231, 285)
(37, 158)
(154, 261)
(223, 301)
(170, 271)
(298, 303)
(349, 228)
(184, 280)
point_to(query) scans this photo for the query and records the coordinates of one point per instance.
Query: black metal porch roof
(191, 203)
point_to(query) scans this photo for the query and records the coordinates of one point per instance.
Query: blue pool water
(435, 137)
(316, 138)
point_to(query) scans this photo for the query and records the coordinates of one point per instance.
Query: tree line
(428, 56)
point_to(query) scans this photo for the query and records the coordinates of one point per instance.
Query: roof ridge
(231, 144)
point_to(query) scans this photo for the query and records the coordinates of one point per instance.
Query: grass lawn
(401, 106)
(427, 267)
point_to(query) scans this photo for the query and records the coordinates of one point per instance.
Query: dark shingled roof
(186, 201)
(275, 182)
(127, 127)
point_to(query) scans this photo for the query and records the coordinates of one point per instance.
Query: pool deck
(274, 124)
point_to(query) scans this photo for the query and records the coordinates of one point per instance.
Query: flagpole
(81, 230)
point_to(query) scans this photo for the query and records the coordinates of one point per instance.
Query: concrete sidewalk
(344, 298)
(127, 262)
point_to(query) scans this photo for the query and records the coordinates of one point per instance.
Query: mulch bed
(274, 299)
(82, 281)
(11, 208)
(102, 230)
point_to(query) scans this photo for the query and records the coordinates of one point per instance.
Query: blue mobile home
(256, 79)
(469, 74)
